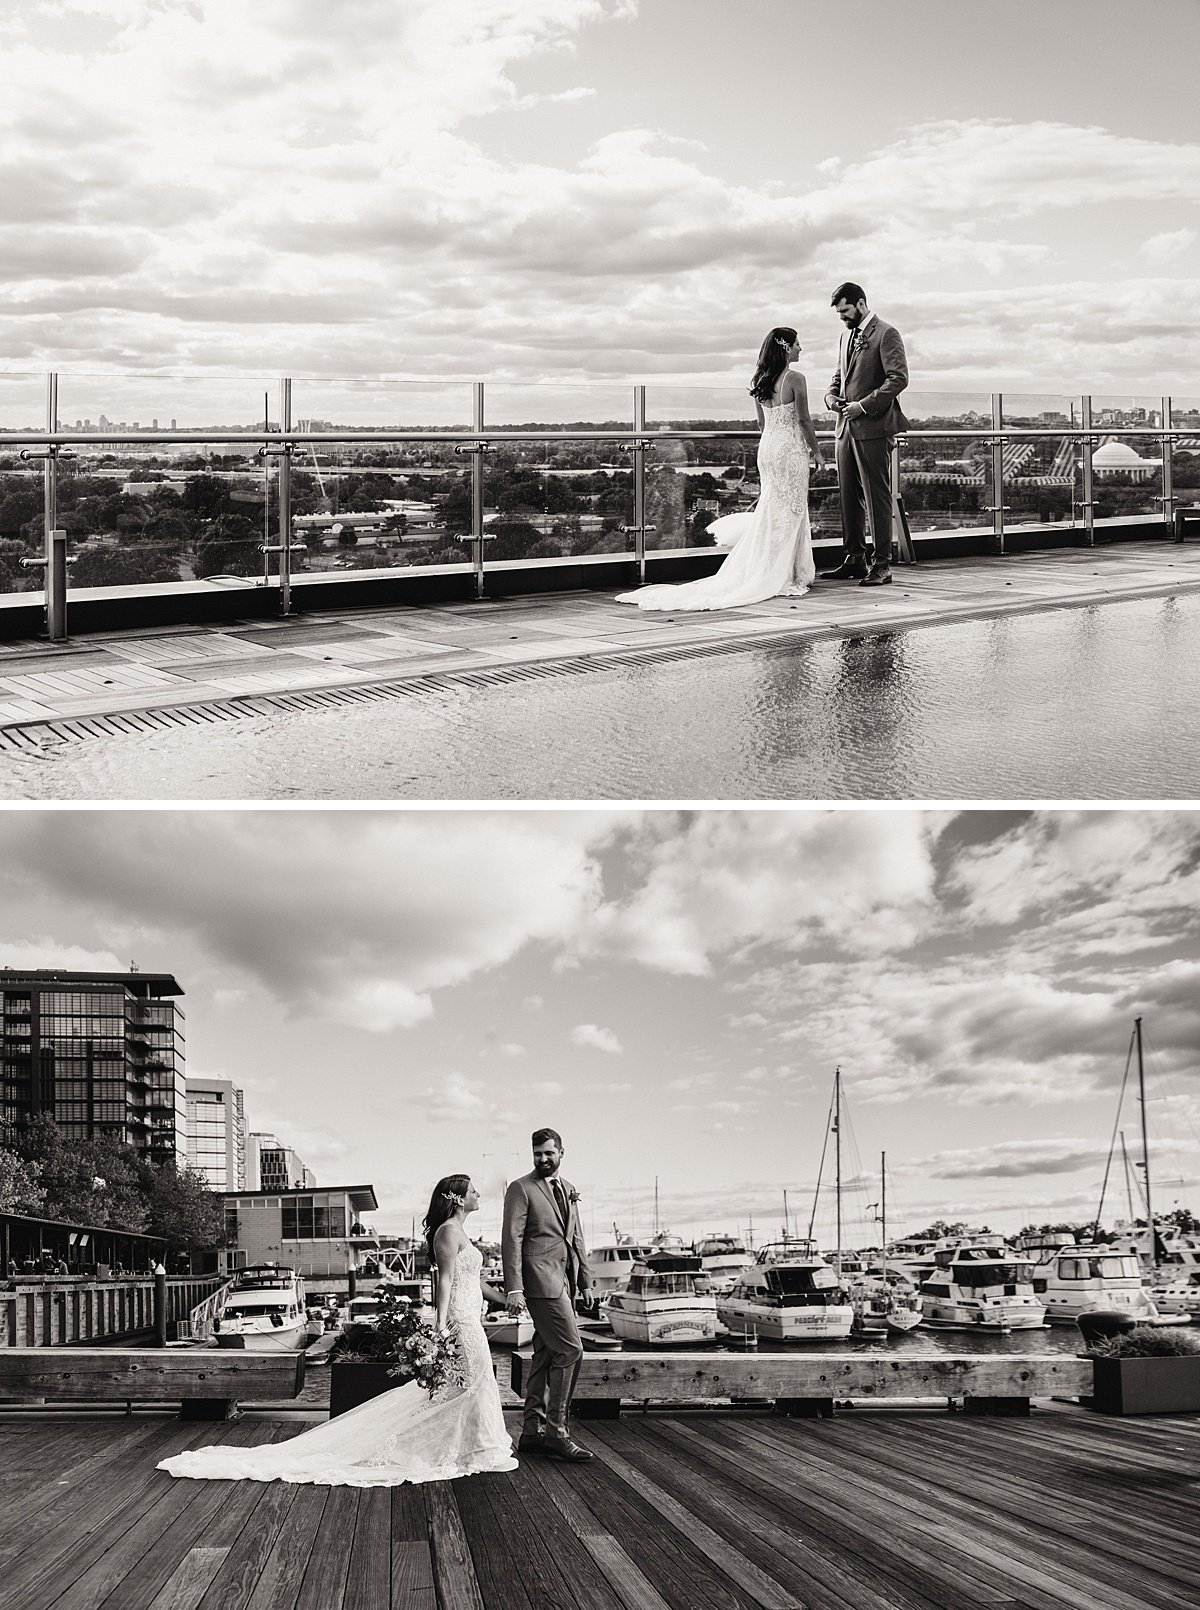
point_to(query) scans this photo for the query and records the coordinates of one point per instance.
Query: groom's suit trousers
(557, 1352)
(865, 491)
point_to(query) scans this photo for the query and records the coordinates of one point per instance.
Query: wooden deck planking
(1009, 1525)
(886, 1511)
(557, 1569)
(412, 1556)
(845, 1555)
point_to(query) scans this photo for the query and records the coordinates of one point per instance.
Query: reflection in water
(1100, 702)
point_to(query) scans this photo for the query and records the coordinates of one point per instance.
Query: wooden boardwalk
(871, 1511)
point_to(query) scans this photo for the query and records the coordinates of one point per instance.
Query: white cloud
(591, 1034)
(454, 1098)
(1168, 245)
(226, 186)
(46, 952)
(391, 908)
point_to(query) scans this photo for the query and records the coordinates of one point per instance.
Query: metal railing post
(56, 586)
(997, 473)
(1089, 482)
(477, 404)
(1168, 483)
(639, 482)
(285, 502)
(53, 563)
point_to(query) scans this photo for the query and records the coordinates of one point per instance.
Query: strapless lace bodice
(466, 1296)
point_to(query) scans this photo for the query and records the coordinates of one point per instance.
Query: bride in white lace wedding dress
(402, 1435)
(773, 552)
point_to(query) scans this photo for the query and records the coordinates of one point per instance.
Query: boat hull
(276, 1339)
(831, 1324)
(665, 1326)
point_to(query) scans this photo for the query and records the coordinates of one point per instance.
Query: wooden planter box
(352, 1384)
(1147, 1385)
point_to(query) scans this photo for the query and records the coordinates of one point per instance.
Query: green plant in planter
(1147, 1341)
(404, 1339)
(1148, 1370)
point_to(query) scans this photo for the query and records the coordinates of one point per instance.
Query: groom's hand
(515, 1302)
(853, 411)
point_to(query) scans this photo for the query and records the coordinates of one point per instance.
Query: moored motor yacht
(611, 1264)
(981, 1284)
(1085, 1279)
(790, 1293)
(661, 1304)
(264, 1311)
(722, 1259)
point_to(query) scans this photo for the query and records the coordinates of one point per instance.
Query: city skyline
(589, 189)
(406, 994)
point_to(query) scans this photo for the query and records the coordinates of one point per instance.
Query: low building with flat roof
(312, 1231)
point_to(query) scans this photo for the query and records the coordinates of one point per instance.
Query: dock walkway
(106, 682)
(687, 1511)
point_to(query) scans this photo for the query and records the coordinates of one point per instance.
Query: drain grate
(29, 737)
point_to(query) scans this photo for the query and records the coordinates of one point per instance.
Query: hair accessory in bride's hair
(453, 1196)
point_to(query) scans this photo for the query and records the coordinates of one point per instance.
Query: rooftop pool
(1095, 702)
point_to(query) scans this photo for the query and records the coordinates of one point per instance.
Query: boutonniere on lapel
(573, 1197)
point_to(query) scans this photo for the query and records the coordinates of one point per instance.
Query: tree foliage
(20, 1188)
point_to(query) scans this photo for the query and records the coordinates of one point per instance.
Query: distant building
(216, 1133)
(312, 1231)
(273, 1166)
(1118, 458)
(101, 1053)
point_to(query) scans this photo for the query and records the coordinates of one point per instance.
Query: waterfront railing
(485, 478)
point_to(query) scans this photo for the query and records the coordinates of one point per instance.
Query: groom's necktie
(561, 1198)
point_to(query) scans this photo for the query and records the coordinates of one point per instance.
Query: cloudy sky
(402, 994)
(595, 189)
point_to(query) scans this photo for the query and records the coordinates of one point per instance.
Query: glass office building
(216, 1133)
(100, 1053)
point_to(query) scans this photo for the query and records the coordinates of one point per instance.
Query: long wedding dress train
(402, 1435)
(773, 552)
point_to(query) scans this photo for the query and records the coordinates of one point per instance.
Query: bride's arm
(493, 1294)
(445, 1250)
(800, 398)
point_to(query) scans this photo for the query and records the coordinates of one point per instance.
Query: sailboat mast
(883, 1207)
(1137, 1026)
(837, 1132)
(656, 1204)
(786, 1221)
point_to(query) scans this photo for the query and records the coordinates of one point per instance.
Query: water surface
(1099, 702)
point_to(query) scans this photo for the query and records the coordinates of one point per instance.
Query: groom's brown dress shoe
(531, 1442)
(848, 570)
(877, 576)
(565, 1448)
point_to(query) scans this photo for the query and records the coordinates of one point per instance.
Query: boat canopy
(788, 1280)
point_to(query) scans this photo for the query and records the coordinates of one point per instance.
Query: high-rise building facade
(272, 1166)
(100, 1053)
(216, 1133)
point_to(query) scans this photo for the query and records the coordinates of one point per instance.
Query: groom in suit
(871, 373)
(545, 1269)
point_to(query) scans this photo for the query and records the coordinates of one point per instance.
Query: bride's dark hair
(772, 361)
(447, 1195)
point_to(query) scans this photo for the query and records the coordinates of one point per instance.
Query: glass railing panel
(1185, 454)
(1127, 463)
(377, 506)
(1043, 474)
(22, 408)
(510, 406)
(366, 505)
(946, 479)
(195, 513)
(691, 483)
(557, 500)
(694, 408)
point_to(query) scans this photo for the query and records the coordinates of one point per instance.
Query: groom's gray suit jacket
(543, 1257)
(874, 377)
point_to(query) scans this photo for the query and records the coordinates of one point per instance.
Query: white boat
(1076, 1280)
(661, 1304)
(508, 1330)
(611, 1264)
(722, 1259)
(789, 1294)
(884, 1303)
(979, 1283)
(264, 1312)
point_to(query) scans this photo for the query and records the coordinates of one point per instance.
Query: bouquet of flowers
(433, 1361)
(402, 1333)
